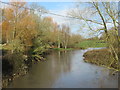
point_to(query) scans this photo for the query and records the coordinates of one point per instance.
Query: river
(66, 69)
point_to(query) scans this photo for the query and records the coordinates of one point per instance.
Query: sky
(62, 8)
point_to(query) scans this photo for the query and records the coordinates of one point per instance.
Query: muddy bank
(13, 65)
(16, 64)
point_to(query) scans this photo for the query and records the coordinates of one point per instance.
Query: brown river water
(66, 69)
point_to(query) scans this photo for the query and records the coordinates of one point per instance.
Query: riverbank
(100, 57)
(63, 49)
(15, 65)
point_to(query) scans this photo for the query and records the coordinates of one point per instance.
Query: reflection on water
(66, 70)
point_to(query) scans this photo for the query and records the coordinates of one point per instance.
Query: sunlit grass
(0, 46)
(62, 49)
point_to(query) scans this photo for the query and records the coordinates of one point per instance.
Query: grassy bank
(62, 49)
(100, 57)
(91, 43)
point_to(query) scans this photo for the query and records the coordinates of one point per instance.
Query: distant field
(91, 43)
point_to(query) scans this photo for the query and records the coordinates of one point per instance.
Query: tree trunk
(65, 46)
(58, 44)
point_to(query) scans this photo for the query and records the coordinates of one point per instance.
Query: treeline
(27, 35)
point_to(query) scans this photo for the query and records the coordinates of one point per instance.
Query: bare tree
(105, 13)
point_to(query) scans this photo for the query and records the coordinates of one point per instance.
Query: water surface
(66, 69)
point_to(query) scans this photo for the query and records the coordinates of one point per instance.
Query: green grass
(0, 46)
(62, 49)
(91, 43)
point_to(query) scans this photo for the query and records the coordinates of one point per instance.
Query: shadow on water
(66, 69)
